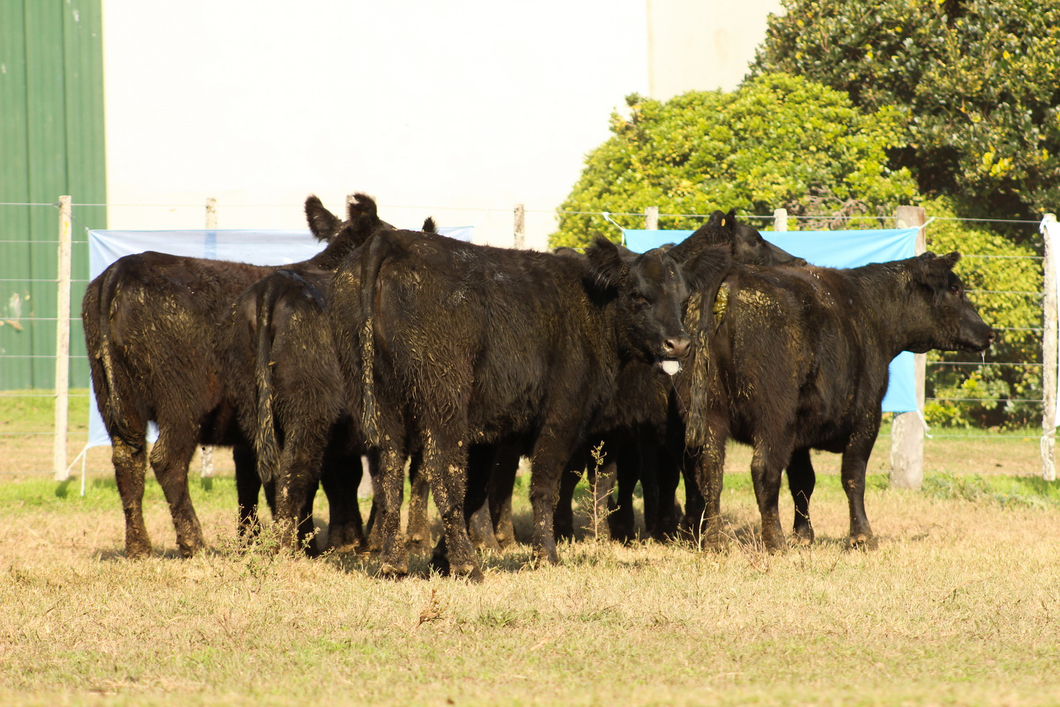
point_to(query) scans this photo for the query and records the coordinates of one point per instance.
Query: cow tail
(370, 266)
(704, 315)
(265, 443)
(109, 290)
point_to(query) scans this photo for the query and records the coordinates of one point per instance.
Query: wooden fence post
(651, 218)
(907, 429)
(780, 220)
(62, 344)
(211, 225)
(520, 227)
(1049, 355)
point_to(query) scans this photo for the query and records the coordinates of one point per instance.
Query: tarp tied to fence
(254, 247)
(833, 249)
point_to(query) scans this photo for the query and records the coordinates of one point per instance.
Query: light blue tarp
(833, 249)
(254, 247)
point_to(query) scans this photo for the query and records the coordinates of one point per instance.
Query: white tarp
(254, 247)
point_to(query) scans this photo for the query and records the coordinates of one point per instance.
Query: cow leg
(374, 526)
(643, 454)
(695, 505)
(395, 556)
(480, 461)
(341, 476)
(549, 457)
(445, 464)
(801, 480)
(248, 489)
(668, 476)
(300, 465)
(709, 470)
(419, 527)
(855, 460)
(130, 465)
(564, 518)
(502, 483)
(767, 463)
(170, 459)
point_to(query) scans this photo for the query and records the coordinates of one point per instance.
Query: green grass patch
(1016, 491)
(34, 410)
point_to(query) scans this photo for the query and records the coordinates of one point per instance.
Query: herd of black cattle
(407, 346)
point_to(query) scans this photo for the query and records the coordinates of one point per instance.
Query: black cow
(464, 345)
(288, 390)
(651, 450)
(152, 327)
(793, 359)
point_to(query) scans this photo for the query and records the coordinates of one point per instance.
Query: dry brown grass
(958, 605)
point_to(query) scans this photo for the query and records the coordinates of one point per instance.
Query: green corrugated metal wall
(51, 143)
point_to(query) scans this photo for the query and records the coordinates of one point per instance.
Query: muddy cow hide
(152, 328)
(650, 447)
(288, 390)
(792, 359)
(466, 345)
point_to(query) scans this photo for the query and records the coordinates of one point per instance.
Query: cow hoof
(137, 551)
(710, 542)
(389, 571)
(861, 541)
(190, 550)
(546, 557)
(470, 572)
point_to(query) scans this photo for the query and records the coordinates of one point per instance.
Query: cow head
(750, 248)
(745, 244)
(650, 293)
(941, 317)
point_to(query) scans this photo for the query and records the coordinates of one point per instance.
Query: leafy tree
(978, 82)
(778, 141)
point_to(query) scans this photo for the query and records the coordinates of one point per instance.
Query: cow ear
(364, 218)
(429, 226)
(361, 205)
(607, 266)
(706, 270)
(322, 223)
(730, 220)
(934, 270)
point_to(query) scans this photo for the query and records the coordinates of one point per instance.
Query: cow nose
(677, 346)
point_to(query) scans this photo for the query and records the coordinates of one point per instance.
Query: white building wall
(460, 110)
(703, 44)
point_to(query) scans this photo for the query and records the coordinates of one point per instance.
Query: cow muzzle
(673, 348)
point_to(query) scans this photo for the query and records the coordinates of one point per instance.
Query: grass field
(959, 605)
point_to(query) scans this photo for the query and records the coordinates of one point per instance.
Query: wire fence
(29, 280)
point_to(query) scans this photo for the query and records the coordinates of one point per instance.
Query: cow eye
(639, 298)
(955, 289)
